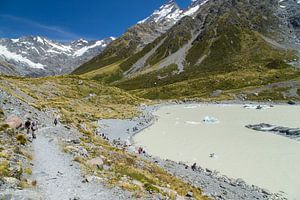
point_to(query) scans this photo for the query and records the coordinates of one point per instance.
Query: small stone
(75, 141)
(95, 162)
(265, 191)
(189, 194)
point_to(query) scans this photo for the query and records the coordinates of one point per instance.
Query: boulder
(216, 93)
(95, 162)
(291, 102)
(14, 122)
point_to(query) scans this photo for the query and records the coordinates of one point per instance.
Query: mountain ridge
(221, 38)
(39, 56)
(141, 34)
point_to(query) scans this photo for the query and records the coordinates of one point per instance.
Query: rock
(216, 93)
(14, 122)
(290, 102)
(77, 151)
(75, 141)
(95, 162)
(265, 191)
(189, 194)
(11, 182)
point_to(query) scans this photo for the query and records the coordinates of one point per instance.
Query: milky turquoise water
(260, 158)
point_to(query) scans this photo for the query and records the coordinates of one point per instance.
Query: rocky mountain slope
(256, 40)
(38, 56)
(139, 35)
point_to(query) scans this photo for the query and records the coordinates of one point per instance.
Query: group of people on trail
(31, 126)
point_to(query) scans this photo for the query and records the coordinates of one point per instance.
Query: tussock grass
(81, 101)
(21, 138)
(78, 100)
(123, 164)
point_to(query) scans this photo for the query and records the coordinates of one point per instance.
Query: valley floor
(128, 175)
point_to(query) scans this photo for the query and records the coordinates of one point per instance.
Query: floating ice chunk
(257, 107)
(210, 120)
(213, 155)
(193, 123)
(191, 106)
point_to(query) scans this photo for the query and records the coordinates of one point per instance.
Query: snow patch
(191, 11)
(4, 52)
(82, 51)
(40, 40)
(59, 47)
(168, 11)
(15, 40)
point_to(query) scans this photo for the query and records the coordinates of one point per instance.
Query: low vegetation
(77, 100)
(226, 57)
(81, 102)
(11, 150)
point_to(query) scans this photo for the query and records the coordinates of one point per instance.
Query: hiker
(194, 167)
(28, 125)
(55, 121)
(33, 129)
(141, 150)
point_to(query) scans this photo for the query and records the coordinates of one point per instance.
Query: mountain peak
(169, 11)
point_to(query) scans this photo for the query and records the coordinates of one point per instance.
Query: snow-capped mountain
(38, 56)
(143, 33)
(170, 13)
(167, 13)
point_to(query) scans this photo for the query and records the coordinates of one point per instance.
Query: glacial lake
(260, 158)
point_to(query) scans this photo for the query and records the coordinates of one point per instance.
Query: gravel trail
(57, 175)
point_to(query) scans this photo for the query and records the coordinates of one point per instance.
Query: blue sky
(66, 20)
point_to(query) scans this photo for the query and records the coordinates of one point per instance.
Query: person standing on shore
(55, 121)
(33, 129)
(28, 125)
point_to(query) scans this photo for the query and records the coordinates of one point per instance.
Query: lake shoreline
(211, 182)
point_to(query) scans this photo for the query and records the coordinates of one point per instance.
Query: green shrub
(4, 127)
(151, 188)
(21, 138)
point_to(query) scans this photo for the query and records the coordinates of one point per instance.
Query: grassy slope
(118, 50)
(78, 99)
(71, 97)
(235, 57)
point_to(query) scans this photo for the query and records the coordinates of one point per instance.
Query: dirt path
(57, 175)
